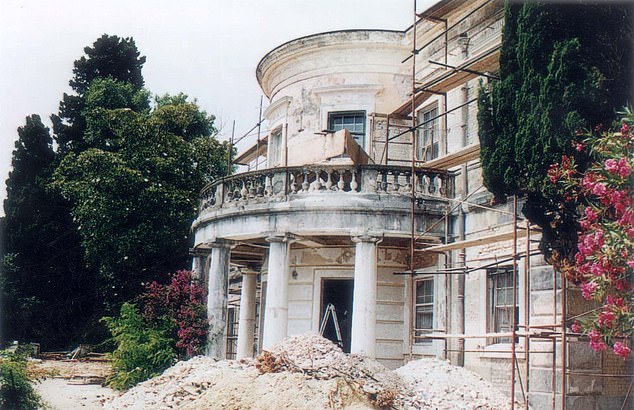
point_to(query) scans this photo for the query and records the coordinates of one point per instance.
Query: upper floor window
(274, 155)
(428, 136)
(353, 121)
(424, 308)
(502, 311)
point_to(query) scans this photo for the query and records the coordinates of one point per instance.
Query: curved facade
(324, 216)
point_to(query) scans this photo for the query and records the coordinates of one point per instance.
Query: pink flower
(621, 350)
(625, 129)
(598, 345)
(575, 327)
(611, 165)
(606, 319)
(624, 168)
(591, 214)
(630, 264)
(587, 289)
(598, 189)
(589, 181)
(596, 269)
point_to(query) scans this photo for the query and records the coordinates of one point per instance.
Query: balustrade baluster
(317, 180)
(397, 185)
(341, 184)
(353, 182)
(329, 181)
(293, 177)
(305, 184)
(244, 191)
(268, 187)
(408, 182)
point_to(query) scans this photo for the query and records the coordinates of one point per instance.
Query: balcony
(323, 200)
(285, 184)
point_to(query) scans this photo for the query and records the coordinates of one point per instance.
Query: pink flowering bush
(604, 262)
(179, 308)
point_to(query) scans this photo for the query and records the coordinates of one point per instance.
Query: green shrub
(16, 391)
(142, 351)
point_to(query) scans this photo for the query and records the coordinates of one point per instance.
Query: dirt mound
(310, 372)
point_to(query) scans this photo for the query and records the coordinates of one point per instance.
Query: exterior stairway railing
(279, 184)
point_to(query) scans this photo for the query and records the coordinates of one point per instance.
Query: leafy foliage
(16, 391)
(142, 351)
(170, 322)
(179, 308)
(601, 199)
(134, 194)
(563, 68)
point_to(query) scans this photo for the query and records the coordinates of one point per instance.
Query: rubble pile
(439, 385)
(310, 372)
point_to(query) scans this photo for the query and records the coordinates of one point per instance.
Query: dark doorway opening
(339, 293)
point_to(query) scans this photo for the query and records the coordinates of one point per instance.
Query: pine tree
(109, 57)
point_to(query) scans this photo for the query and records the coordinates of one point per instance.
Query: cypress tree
(563, 68)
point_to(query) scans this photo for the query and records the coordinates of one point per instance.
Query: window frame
(429, 304)
(421, 133)
(358, 136)
(274, 153)
(494, 277)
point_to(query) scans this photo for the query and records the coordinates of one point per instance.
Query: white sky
(206, 49)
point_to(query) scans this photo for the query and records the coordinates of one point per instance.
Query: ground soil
(73, 384)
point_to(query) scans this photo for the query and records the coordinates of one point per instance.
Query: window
(353, 121)
(500, 282)
(232, 332)
(424, 308)
(428, 137)
(275, 148)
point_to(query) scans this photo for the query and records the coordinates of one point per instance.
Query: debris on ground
(310, 372)
(70, 384)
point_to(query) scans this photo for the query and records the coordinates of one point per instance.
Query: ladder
(331, 312)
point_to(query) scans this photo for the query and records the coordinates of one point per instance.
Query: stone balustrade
(280, 184)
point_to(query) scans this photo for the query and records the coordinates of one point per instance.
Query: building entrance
(339, 293)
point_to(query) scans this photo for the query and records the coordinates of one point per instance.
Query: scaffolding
(443, 79)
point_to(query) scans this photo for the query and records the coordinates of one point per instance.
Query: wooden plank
(455, 158)
(251, 153)
(483, 240)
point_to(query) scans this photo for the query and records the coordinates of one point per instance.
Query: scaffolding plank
(252, 153)
(461, 156)
(483, 240)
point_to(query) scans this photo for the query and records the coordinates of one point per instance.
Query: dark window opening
(339, 293)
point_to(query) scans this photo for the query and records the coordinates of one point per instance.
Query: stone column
(364, 303)
(217, 297)
(199, 256)
(276, 311)
(246, 322)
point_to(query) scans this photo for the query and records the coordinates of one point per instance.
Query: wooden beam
(483, 240)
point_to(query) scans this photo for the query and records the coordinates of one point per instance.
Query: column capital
(367, 236)
(246, 272)
(220, 243)
(280, 237)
